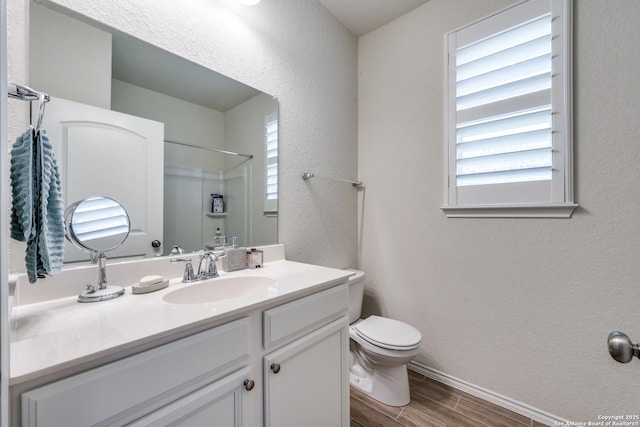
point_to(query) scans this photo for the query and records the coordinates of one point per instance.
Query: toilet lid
(388, 333)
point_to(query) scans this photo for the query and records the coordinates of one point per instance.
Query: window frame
(562, 203)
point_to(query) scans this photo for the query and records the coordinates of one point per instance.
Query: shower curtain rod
(217, 150)
(25, 93)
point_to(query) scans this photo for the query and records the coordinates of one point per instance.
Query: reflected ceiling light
(248, 2)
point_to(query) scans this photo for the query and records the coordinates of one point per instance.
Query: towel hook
(42, 100)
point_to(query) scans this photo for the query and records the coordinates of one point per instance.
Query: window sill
(564, 210)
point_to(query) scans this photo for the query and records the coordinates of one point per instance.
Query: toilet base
(386, 384)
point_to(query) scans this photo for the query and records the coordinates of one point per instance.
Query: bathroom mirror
(98, 225)
(77, 59)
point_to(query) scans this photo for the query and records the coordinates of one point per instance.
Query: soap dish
(137, 289)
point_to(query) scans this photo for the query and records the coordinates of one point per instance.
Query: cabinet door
(128, 389)
(306, 382)
(219, 404)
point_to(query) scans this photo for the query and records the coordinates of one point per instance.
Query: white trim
(511, 211)
(484, 394)
(4, 224)
(567, 12)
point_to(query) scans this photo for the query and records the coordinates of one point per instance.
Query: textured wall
(521, 307)
(296, 51)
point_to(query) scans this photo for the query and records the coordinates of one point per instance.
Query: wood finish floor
(433, 404)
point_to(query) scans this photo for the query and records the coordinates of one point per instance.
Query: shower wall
(188, 221)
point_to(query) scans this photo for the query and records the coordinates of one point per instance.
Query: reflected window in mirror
(271, 160)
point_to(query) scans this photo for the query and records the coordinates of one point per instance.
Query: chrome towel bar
(24, 93)
(308, 175)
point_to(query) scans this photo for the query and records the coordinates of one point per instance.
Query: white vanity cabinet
(280, 365)
(198, 376)
(306, 380)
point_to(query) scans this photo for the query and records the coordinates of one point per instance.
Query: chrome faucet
(188, 276)
(176, 250)
(207, 268)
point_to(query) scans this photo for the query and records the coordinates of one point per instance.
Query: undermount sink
(219, 289)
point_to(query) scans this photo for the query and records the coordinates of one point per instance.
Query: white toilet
(380, 350)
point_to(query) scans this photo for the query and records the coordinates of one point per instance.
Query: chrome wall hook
(621, 348)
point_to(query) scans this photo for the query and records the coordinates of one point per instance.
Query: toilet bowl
(380, 350)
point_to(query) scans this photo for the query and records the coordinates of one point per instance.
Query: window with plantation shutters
(509, 147)
(271, 162)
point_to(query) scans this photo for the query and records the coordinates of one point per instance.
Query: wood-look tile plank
(498, 409)
(441, 393)
(355, 423)
(364, 415)
(390, 411)
(415, 375)
(422, 408)
(538, 424)
(416, 418)
(479, 411)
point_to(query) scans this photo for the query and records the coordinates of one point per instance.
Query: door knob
(621, 348)
(275, 367)
(156, 244)
(249, 384)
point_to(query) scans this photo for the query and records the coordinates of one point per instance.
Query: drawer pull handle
(275, 367)
(249, 384)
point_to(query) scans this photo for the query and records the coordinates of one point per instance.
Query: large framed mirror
(216, 136)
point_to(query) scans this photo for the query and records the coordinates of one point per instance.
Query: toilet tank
(356, 292)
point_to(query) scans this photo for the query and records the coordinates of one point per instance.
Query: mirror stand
(97, 225)
(102, 291)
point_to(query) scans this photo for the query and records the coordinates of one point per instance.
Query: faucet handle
(188, 275)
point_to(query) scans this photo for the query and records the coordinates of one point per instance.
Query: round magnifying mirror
(98, 225)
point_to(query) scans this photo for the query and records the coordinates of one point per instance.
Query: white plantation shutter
(509, 112)
(271, 158)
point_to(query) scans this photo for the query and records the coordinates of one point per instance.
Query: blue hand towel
(37, 215)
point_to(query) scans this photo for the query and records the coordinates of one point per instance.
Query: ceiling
(364, 16)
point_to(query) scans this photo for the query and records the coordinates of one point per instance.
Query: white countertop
(50, 336)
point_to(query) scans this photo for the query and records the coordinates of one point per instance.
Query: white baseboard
(510, 404)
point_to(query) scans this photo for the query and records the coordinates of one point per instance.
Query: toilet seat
(388, 333)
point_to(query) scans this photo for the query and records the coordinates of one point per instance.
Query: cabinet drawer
(289, 321)
(122, 391)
